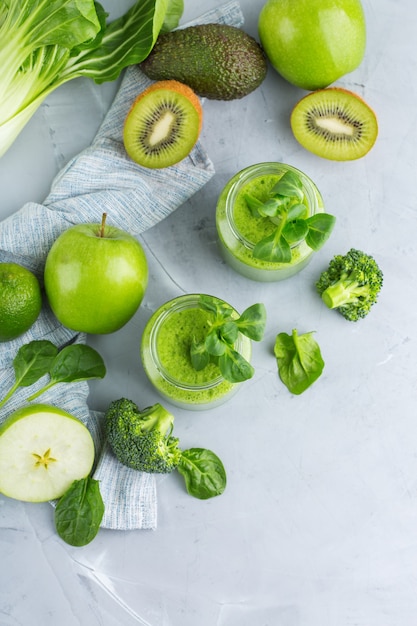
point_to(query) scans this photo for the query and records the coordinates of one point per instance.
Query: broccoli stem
(343, 292)
(157, 417)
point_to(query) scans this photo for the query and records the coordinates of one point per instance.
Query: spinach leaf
(79, 512)
(40, 357)
(299, 360)
(32, 361)
(203, 472)
(73, 364)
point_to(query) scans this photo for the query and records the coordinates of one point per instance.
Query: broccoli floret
(143, 439)
(351, 284)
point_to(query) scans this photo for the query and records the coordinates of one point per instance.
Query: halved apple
(43, 449)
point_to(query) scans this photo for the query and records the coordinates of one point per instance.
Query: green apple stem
(103, 224)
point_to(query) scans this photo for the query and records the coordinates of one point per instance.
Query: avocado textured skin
(217, 61)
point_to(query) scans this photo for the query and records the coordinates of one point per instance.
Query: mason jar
(239, 231)
(165, 354)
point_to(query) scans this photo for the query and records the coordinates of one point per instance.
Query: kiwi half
(334, 123)
(163, 124)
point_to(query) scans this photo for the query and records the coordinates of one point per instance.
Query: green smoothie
(239, 230)
(165, 352)
(174, 342)
(254, 228)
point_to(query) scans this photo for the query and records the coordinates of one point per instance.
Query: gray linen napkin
(101, 179)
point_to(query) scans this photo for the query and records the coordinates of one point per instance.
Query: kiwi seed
(335, 124)
(163, 124)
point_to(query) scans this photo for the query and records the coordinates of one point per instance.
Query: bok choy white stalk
(45, 43)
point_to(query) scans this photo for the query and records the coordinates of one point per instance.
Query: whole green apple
(95, 277)
(312, 43)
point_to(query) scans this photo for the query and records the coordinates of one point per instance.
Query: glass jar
(165, 349)
(238, 230)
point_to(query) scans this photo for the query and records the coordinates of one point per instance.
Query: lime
(20, 300)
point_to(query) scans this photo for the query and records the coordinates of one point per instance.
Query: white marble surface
(318, 525)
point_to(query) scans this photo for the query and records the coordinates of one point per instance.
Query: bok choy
(45, 43)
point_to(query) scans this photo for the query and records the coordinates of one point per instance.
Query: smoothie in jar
(240, 229)
(165, 353)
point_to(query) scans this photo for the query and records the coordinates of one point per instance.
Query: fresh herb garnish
(79, 512)
(218, 344)
(299, 360)
(286, 209)
(37, 358)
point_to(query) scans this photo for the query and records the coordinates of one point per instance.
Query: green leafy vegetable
(45, 43)
(289, 186)
(319, 228)
(286, 209)
(73, 364)
(252, 322)
(32, 361)
(299, 360)
(234, 367)
(41, 357)
(143, 440)
(79, 512)
(172, 16)
(203, 472)
(218, 344)
(274, 248)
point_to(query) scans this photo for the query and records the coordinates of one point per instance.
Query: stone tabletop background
(318, 524)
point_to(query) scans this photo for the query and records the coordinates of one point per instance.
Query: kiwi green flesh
(161, 129)
(334, 125)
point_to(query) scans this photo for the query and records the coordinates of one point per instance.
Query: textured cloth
(100, 179)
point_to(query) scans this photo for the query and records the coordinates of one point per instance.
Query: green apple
(95, 277)
(42, 451)
(312, 43)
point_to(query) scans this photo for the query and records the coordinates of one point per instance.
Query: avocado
(217, 61)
